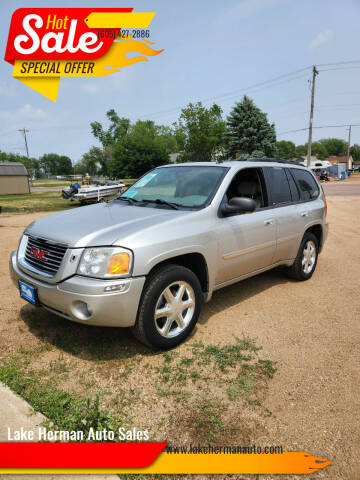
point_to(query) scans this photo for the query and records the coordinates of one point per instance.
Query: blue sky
(212, 48)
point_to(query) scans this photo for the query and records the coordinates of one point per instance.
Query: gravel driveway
(311, 329)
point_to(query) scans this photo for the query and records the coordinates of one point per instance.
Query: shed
(13, 178)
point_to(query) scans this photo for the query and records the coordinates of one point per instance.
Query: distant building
(13, 178)
(336, 160)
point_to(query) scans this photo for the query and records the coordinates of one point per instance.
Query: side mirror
(238, 205)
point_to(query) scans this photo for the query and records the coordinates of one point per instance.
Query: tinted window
(280, 190)
(293, 188)
(306, 183)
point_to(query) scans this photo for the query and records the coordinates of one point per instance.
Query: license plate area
(29, 293)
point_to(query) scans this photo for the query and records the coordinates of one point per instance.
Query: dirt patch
(310, 329)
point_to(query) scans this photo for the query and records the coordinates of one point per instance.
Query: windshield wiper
(132, 201)
(175, 206)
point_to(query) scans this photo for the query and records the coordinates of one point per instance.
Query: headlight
(105, 262)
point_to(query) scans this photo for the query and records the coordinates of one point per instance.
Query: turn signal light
(119, 264)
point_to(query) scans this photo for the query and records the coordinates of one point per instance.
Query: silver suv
(150, 258)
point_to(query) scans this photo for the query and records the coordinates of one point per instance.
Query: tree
(334, 146)
(55, 164)
(117, 129)
(140, 150)
(319, 150)
(301, 150)
(91, 161)
(285, 149)
(200, 132)
(355, 152)
(248, 129)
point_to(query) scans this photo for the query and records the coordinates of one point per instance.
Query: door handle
(304, 214)
(270, 221)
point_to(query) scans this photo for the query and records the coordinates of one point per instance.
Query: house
(336, 160)
(13, 178)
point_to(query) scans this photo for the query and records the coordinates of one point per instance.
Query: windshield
(181, 186)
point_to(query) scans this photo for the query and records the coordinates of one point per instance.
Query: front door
(246, 242)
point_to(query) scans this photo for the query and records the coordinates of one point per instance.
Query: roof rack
(277, 160)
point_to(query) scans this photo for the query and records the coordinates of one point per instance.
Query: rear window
(280, 190)
(307, 185)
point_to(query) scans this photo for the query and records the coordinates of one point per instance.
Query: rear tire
(306, 259)
(169, 307)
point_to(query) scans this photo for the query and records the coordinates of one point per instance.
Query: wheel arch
(195, 262)
(317, 230)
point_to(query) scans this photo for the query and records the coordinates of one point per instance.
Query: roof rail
(277, 160)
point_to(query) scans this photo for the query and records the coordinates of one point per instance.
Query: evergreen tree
(248, 130)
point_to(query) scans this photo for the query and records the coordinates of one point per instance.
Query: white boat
(92, 193)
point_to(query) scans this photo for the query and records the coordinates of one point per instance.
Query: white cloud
(28, 112)
(321, 38)
(27, 115)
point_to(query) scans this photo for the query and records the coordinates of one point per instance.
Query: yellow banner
(119, 19)
(176, 463)
(44, 76)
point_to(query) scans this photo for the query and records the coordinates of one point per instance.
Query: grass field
(49, 183)
(35, 202)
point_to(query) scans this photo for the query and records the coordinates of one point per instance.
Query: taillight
(325, 206)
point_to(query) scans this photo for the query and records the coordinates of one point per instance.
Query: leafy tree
(334, 146)
(199, 132)
(55, 164)
(355, 152)
(285, 149)
(301, 150)
(248, 129)
(118, 128)
(258, 154)
(319, 150)
(140, 150)
(91, 161)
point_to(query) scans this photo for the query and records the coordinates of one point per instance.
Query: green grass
(37, 183)
(64, 410)
(35, 202)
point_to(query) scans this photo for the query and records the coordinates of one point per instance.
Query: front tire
(306, 259)
(169, 307)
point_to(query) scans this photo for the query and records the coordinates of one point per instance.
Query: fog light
(81, 310)
(120, 287)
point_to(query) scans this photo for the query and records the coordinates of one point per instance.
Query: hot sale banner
(45, 44)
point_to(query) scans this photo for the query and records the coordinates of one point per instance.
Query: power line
(320, 126)
(234, 92)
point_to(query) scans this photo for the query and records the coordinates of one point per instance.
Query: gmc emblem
(37, 253)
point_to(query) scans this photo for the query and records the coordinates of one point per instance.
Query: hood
(99, 225)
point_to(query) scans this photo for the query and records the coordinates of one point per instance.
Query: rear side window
(307, 185)
(280, 190)
(293, 188)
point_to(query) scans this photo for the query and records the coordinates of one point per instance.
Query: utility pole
(24, 132)
(348, 150)
(315, 72)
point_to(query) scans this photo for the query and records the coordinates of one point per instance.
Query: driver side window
(249, 183)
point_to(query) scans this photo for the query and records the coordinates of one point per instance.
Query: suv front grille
(44, 255)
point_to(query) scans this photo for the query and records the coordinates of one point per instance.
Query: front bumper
(84, 300)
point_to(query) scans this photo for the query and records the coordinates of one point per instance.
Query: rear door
(306, 213)
(283, 195)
